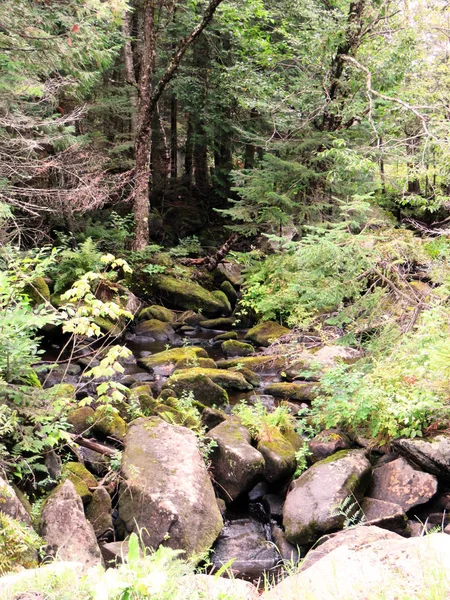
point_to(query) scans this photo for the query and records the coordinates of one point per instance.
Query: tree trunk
(173, 137)
(189, 154)
(143, 137)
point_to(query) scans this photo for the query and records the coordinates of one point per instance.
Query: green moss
(81, 478)
(168, 360)
(333, 458)
(205, 363)
(226, 379)
(223, 299)
(232, 348)
(264, 334)
(187, 295)
(81, 419)
(203, 388)
(293, 391)
(220, 323)
(157, 312)
(159, 330)
(255, 363)
(229, 335)
(229, 291)
(38, 291)
(107, 326)
(108, 423)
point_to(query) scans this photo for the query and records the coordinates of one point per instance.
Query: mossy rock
(81, 419)
(107, 326)
(99, 513)
(142, 395)
(301, 392)
(223, 299)
(187, 295)
(265, 333)
(260, 364)
(202, 387)
(205, 363)
(220, 323)
(38, 291)
(191, 318)
(164, 363)
(228, 335)
(253, 378)
(279, 455)
(158, 331)
(109, 424)
(230, 292)
(232, 348)
(81, 478)
(161, 313)
(226, 379)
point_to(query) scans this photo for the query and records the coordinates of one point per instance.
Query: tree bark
(148, 100)
(173, 137)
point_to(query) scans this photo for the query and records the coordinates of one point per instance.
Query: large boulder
(232, 348)
(300, 392)
(167, 493)
(401, 483)
(157, 312)
(354, 538)
(431, 454)
(153, 330)
(69, 536)
(165, 363)
(99, 513)
(233, 380)
(244, 540)
(414, 568)
(236, 464)
(211, 587)
(265, 333)
(310, 507)
(279, 455)
(187, 295)
(10, 503)
(203, 387)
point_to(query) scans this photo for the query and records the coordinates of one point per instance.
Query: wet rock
(261, 364)
(354, 538)
(386, 515)
(203, 387)
(258, 492)
(99, 513)
(245, 541)
(326, 443)
(218, 324)
(186, 295)
(308, 510)
(274, 504)
(388, 569)
(155, 331)
(192, 318)
(279, 455)
(157, 312)
(232, 348)
(11, 505)
(165, 363)
(431, 454)
(69, 536)
(137, 379)
(301, 392)
(402, 484)
(166, 491)
(236, 464)
(264, 334)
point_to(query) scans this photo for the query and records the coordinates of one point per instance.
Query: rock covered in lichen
(265, 333)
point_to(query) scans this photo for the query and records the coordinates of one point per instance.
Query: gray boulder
(236, 464)
(386, 515)
(167, 493)
(431, 454)
(401, 483)
(310, 507)
(69, 536)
